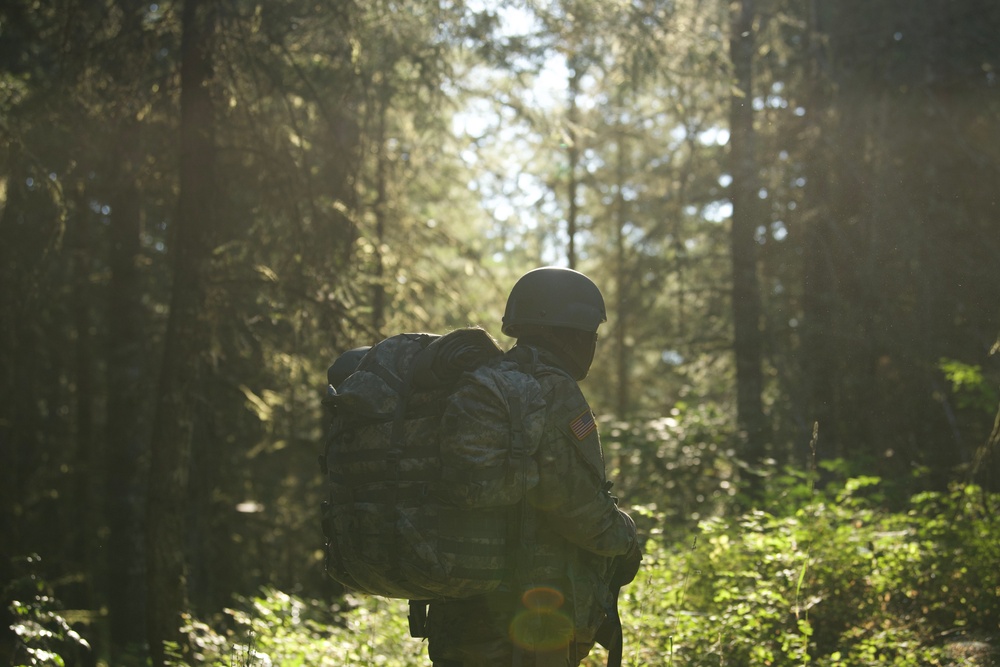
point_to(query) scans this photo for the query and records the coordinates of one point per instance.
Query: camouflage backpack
(428, 455)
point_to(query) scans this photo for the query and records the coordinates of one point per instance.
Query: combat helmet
(554, 297)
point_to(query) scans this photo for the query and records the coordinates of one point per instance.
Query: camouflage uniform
(573, 530)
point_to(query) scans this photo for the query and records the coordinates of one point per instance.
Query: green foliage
(680, 466)
(276, 628)
(43, 636)
(831, 579)
(970, 386)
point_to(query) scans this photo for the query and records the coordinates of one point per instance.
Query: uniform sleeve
(571, 494)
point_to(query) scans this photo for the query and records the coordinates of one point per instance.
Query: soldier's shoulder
(562, 394)
(558, 386)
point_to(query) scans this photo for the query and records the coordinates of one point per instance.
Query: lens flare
(542, 598)
(542, 625)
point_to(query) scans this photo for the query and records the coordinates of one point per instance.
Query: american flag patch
(583, 425)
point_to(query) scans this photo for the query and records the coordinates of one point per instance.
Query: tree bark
(819, 289)
(573, 157)
(126, 449)
(745, 221)
(381, 205)
(623, 397)
(186, 339)
(85, 518)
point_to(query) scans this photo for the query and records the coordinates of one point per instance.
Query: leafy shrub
(970, 386)
(680, 466)
(276, 628)
(829, 578)
(835, 582)
(42, 634)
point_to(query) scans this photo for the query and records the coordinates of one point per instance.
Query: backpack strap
(397, 384)
(417, 618)
(610, 634)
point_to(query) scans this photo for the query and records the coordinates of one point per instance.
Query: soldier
(576, 547)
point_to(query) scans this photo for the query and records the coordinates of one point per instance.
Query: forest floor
(973, 653)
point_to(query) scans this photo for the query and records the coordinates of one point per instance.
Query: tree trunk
(85, 518)
(125, 445)
(126, 452)
(819, 289)
(623, 399)
(746, 219)
(573, 157)
(381, 206)
(186, 339)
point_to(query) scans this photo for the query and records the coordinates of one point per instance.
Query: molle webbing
(432, 451)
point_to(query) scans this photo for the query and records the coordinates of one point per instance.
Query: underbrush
(835, 581)
(279, 629)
